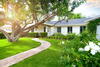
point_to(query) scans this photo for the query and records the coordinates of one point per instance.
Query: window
(82, 28)
(69, 29)
(59, 29)
(44, 29)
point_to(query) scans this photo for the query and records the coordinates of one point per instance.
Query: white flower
(91, 44)
(96, 47)
(63, 42)
(93, 52)
(92, 47)
(87, 48)
(81, 49)
(73, 65)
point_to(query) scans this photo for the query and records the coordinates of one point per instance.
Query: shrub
(2, 36)
(72, 57)
(43, 34)
(33, 34)
(57, 36)
(86, 36)
(61, 36)
(71, 36)
(92, 25)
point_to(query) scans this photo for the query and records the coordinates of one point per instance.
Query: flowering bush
(92, 48)
(74, 56)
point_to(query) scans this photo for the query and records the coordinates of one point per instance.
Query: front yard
(65, 53)
(62, 52)
(8, 49)
(47, 58)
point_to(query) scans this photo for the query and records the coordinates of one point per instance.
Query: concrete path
(21, 56)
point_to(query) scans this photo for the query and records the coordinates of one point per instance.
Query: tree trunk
(13, 39)
(9, 37)
(5, 33)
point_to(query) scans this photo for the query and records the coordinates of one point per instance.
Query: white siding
(76, 29)
(52, 30)
(64, 30)
(46, 28)
(98, 32)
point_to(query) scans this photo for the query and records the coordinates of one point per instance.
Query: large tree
(24, 15)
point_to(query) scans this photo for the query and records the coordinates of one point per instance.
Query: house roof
(72, 22)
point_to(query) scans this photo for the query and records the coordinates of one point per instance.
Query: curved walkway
(21, 56)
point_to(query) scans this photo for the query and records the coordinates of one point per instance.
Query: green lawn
(47, 58)
(8, 49)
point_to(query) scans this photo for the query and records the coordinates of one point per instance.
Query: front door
(98, 32)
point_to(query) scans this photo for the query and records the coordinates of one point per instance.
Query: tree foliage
(75, 16)
(92, 26)
(21, 13)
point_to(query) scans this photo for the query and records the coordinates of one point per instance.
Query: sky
(89, 9)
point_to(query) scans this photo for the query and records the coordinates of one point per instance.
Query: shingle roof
(82, 21)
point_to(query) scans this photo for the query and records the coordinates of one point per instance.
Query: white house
(71, 26)
(65, 27)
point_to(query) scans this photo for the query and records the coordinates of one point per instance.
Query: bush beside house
(32, 34)
(72, 57)
(35, 34)
(92, 26)
(86, 36)
(64, 37)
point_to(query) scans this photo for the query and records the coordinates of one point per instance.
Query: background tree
(75, 16)
(24, 15)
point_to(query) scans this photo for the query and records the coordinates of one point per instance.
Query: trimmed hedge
(32, 34)
(35, 34)
(61, 36)
(57, 36)
(43, 34)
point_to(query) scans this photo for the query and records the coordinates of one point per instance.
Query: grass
(47, 58)
(8, 49)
